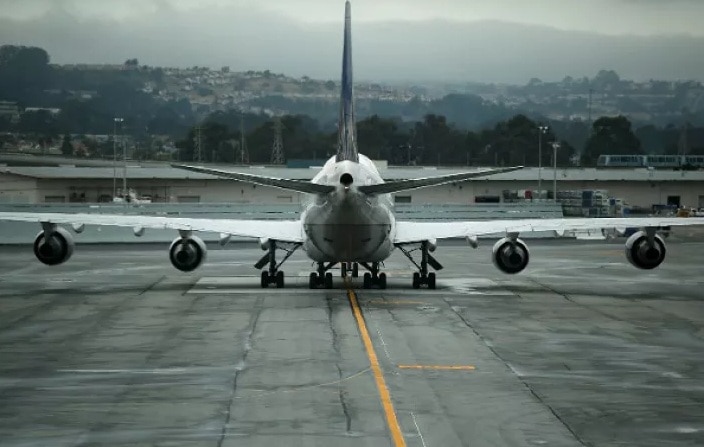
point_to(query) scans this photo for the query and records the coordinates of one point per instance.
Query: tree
(66, 146)
(611, 136)
(23, 70)
(378, 135)
(606, 80)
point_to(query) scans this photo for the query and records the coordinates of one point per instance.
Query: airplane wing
(291, 185)
(404, 185)
(281, 230)
(407, 232)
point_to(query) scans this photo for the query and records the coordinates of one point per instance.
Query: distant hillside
(390, 51)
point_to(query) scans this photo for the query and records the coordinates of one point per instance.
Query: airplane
(348, 220)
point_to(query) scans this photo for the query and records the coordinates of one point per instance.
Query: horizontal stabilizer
(404, 185)
(291, 185)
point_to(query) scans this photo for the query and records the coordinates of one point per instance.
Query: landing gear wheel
(367, 280)
(265, 279)
(355, 270)
(328, 280)
(279, 279)
(382, 280)
(422, 276)
(343, 269)
(313, 280)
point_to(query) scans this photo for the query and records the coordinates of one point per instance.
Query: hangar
(63, 184)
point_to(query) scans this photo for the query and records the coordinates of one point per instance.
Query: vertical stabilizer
(347, 128)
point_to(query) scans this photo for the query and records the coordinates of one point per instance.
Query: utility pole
(555, 147)
(277, 150)
(124, 170)
(589, 105)
(682, 145)
(114, 154)
(244, 154)
(541, 131)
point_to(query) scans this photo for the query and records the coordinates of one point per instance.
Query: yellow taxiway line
(384, 395)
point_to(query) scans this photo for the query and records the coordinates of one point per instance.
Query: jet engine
(55, 249)
(510, 255)
(187, 253)
(643, 253)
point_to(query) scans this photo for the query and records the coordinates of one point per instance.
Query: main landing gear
(422, 276)
(322, 277)
(373, 277)
(349, 267)
(273, 275)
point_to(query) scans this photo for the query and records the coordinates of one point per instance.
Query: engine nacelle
(55, 249)
(643, 254)
(187, 253)
(510, 256)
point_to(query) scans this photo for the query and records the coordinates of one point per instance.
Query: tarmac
(118, 348)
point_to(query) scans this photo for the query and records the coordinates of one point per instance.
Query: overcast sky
(641, 17)
(394, 40)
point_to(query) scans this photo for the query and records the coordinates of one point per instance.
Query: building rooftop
(392, 173)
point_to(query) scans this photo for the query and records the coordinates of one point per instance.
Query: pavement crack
(570, 300)
(152, 285)
(247, 348)
(523, 381)
(343, 402)
(336, 347)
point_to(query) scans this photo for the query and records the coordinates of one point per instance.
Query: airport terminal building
(65, 184)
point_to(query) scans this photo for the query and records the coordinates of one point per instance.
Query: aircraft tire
(313, 280)
(343, 269)
(367, 280)
(279, 280)
(416, 280)
(328, 280)
(355, 270)
(265, 279)
(382, 280)
(431, 280)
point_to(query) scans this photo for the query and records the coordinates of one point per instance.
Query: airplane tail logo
(347, 127)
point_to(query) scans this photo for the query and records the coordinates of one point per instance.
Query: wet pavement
(116, 347)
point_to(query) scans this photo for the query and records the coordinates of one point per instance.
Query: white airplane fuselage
(347, 225)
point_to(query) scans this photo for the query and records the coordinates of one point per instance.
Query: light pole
(541, 131)
(114, 155)
(124, 169)
(555, 147)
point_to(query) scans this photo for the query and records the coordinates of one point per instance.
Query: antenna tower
(277, 150)
(199, 145)
(244, 154)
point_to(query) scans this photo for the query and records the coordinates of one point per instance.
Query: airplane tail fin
(347, 127)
